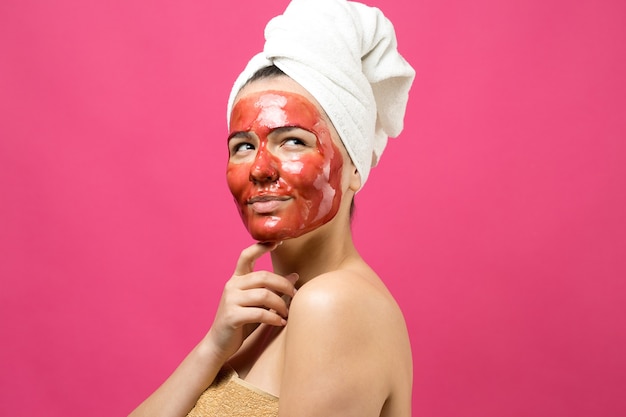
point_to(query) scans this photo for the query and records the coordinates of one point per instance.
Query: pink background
(497, 219)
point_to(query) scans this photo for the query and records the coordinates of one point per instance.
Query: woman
(320, 335)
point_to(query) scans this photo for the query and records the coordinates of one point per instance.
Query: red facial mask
(284, 170)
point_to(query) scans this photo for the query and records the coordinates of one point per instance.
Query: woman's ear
(355, 179)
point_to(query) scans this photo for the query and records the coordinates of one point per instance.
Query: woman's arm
(341, 349)
(178, 394)
(249, 298)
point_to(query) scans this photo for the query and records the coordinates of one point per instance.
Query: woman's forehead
(281, 83)
(276, 83)
(275, 108)
(284, 83)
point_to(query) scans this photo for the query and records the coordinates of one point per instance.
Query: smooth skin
(338, 346)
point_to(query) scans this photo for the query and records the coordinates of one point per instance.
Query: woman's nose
(264, 168)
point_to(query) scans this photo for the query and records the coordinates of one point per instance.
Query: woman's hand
(249, 298)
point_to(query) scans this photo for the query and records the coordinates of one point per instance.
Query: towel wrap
(345, 55)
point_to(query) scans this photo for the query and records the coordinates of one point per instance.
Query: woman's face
(284, 170)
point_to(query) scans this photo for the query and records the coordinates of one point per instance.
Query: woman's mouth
(266, 204)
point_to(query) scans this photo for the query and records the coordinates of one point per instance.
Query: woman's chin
(275, 235)
(269, 237)
(279, 231)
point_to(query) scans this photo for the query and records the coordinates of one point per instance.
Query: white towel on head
(345, 54)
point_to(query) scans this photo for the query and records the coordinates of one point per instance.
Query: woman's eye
(242, 147)
(294, 142)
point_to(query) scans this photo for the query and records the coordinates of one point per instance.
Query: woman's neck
(326, 249)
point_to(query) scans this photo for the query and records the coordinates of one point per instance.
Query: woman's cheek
(237, 179)
(312, 184)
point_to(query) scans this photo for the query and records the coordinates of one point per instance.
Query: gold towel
(230, 396)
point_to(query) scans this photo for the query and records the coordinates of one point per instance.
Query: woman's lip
(267, 197)
(265, 204)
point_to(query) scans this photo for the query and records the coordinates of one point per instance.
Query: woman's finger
(269, 280)
(257, 315)
(245, 263)
(263, 298)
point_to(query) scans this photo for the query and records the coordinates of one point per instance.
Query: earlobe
(355, 180)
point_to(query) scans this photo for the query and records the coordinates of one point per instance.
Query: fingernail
(293, 278)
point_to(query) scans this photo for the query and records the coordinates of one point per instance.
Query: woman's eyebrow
(286, 129)
(242, 134)
(238, 135)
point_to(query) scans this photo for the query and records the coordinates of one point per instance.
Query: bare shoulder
(346, 335)
(360, 298)
(355, 311)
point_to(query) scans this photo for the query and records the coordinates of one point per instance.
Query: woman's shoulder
(349, 308)
(358, 292)
(346, 335)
